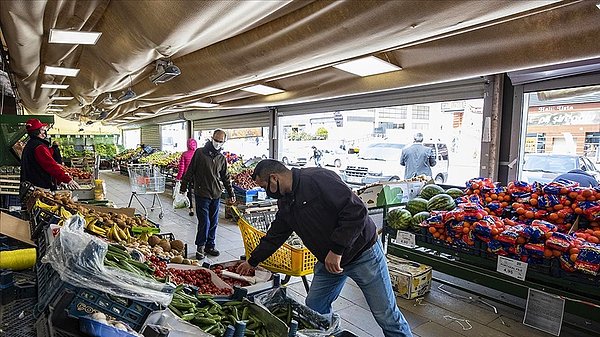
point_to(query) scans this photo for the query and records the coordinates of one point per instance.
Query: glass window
(174, 137)
(248, 143)
(132, 138)
(561, 126)
(365, 145)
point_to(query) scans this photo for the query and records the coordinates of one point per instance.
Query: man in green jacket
(207, 171)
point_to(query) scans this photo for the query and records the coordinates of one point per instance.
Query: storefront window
(562, 133)
(132, 138)
(174, 137)
(249, 143)
(364, 146)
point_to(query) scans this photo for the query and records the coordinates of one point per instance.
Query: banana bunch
(65, 214)
(92, 227)
(144, 237)
(53, 209)
(117, 234)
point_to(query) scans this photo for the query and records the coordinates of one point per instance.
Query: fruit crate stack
(9, 180)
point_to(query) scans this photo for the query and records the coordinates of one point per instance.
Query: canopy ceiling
(222, 46)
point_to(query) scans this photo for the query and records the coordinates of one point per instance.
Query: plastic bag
(180, 200)
(78, 258)
(324, 325)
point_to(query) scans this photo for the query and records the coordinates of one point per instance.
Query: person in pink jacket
(184, 163)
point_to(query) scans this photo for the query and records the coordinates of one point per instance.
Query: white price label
(262, 195)
(405, 239)
(512, 268)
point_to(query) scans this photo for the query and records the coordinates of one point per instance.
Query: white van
(381, 162)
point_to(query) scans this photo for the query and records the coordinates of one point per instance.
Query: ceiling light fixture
(54, 86)
(165, 71)
(61, 98)
(203, 105)
(598, 5)
(367, 66)
(73, 37)
(263, 89)
(57, 105)
(54, 109)
(61, 71)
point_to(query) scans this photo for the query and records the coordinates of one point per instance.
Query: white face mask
(217, 145)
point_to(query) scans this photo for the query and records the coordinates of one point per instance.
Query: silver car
(545, 167)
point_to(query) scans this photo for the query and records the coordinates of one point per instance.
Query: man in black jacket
(207, 170)
(334, 225)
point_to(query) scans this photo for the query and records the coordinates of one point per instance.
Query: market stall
(511, 238)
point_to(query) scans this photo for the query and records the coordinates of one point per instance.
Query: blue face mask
(274, 195)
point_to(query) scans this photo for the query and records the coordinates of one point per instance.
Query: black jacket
(326, 215)
(31, 170)
(207, 170)
(56, 155)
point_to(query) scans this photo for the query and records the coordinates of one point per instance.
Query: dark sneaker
(199, 255)
(212, 251)
(191, 213)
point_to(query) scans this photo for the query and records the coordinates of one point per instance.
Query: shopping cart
(145, 179)
(289, 260)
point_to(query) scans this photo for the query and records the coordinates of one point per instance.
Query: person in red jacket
(184, 163)
(37, 165)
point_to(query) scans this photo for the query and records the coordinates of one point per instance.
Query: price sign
(262, 195)
(544, 311)
(512, 268)
(405, 239)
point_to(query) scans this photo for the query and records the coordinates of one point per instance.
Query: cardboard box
(15, 228)
(409, 279)
(389, 193)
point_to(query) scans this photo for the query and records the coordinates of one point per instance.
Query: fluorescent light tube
(73, 37)
(263, 89)
(143, 114)
(203, 105)
(367, 66)
(54, 86)
(54, 109)
(61, 98)
(61, 71)
(130, 118)
(57, 105)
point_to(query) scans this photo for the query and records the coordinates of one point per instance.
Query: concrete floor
(437, 314)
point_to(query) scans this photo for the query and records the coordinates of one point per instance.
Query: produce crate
(17, 285)
(13, 323)
(40, 220)
(287, 259)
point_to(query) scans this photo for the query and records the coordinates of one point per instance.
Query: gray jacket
(418, 159)
(207, 170)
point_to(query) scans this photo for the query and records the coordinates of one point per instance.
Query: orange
(573, 257)
(432, 230)
(574, 251)
(556, 253)
(529, 214)
(548, 253)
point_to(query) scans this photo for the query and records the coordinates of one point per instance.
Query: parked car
(337, 158)
(545, 167)
(296, 157)
(381, 162)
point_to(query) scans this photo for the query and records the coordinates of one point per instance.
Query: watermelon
(418, 218)
(428, 191)
(399, 219)
(441, 202)
(416, 205)
(455, 192)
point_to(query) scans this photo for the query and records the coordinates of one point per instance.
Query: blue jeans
(207, 211)
(370, 272)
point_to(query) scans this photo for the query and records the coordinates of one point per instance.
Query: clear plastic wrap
(324, 325)
(79, 260)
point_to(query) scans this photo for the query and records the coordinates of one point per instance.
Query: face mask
(217, 145)
(274, 195)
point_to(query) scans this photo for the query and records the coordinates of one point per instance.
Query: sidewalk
(439, 314)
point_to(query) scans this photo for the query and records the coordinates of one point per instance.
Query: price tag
(512, 268)
(262, 195)
(544, 311)
(405, 239)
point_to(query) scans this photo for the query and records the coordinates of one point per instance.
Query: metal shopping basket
(288, 260)
(146, 179)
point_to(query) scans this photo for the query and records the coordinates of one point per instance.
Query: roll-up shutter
(450, 91)
(252, 120)
(151, 136)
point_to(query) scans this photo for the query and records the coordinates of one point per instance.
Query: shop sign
(244, 133)
(544, 311)
(565, 118)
